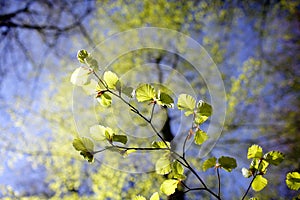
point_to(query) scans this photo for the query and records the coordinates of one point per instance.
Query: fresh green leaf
(186, 103)
(209, 163)
(120, 138)
(168, 187)
(139, 197)
(154, 196)
(200, 137)
(163, 165)
(203, 112)
(145, 92)
(260, 165)
(259, 183)
(293, 180)
(177, 168)
(254, 198)
(165, 100)
(227, 163)
(85, 146)
(274, 157)
(160, 144)
(98, 132)
(246, 172)
(105, 100)
(81, 55)
(80, 76)
(111, 79)
(255, 151)
(109, 133)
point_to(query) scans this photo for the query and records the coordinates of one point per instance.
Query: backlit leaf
(177, 168)
(203, 112)
(186, 103)
(293, 180)
(209, 163)
(254, 151)
(163, 165)
(98, 132)
(259, 183)
(80, 76)
(260, 165)
(105, 100)
(274, 157)
(200, 137)
(81, 55)
(168, 187)
(165, 100)
(85, 146)
(145, 92)
(154, 196)
(227, 163)
(111, 79)
(139, 197)
(120, 138)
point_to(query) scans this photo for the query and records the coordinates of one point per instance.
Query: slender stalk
(152, 112)
(219, 182)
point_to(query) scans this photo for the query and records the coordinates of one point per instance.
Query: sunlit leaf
(80, 76)
(85, 146)
(145, 92)
(168, 187)
(259, 183)
(163, 165)
(165, 100)
(186, 103)
(160, 144)
(246, 172)
(203, 112)
(154, 196)
(81, 55)
(139, 197)
(200, 137)
(105, 100)
(209, 163)
(274, 157)
(119, 138)
(177, 168)
(111, 79)
(260, 165)
(293, 180)
(227, 163)
(254, 151)
(98, 132)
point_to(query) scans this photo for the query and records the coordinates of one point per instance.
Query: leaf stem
(219, 182)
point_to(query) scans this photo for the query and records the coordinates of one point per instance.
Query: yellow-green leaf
(293, 180)
(139, 197)
(82, 55)
(163, 165)
(259, 183)
(154, 196)
(274, 157)
(165, 100)
(209, 163)
(111, 79)
(186, 103)
(145, 92)
(254, 151)
(203, 112)
(105, 100)
(168, 187)
(160, 144)
(227, 163)
(200, 137)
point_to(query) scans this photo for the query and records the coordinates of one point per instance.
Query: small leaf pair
(224, 162)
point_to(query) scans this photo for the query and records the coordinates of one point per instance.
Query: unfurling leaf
(154, 196)
(186, 103)
(165, 100)
(85, 146)
(259, 183)
(203, 112)
(200, 137)
(293, 180)
(160, 144)
(246, 172)
(80, 76)
(255, 151)
(274, 157)
(105, 100)
(163, 165)
(227, 163)
(209, 163)
(145, 92)
(81, 55)
(168, 187)
(111, 79)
